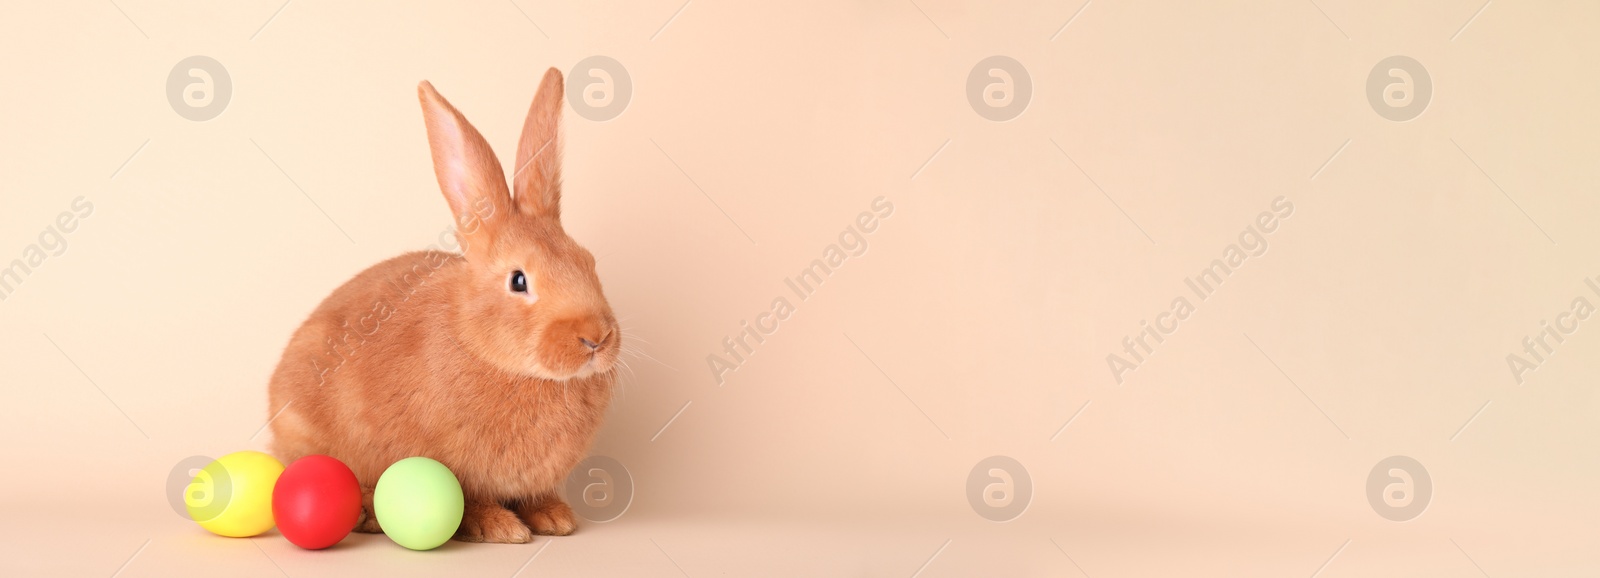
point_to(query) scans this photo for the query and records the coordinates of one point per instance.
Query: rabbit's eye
(519, 282)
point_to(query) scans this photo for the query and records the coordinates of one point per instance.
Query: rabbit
(499, 361)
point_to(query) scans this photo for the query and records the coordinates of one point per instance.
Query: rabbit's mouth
(598, 362)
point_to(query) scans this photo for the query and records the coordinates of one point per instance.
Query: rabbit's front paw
(548, 516)
(493, 523)
(368, 523)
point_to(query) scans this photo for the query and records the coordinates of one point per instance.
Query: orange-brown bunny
(498, 362)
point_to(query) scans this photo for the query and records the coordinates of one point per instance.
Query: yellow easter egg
(232, 496)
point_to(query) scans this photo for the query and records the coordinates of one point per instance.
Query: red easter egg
(316, 502)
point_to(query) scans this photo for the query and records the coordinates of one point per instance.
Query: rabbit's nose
(589, 344)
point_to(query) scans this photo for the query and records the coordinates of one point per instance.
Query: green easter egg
(419, 503)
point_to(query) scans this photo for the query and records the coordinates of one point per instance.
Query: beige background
(1419, 256)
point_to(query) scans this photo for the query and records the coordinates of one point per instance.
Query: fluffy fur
(432, 354)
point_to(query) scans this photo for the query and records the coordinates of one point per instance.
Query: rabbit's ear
(468, 171)
(537, 177)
